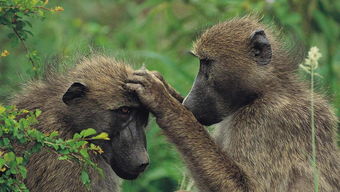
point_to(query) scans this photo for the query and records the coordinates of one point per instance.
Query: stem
(44, 8)
(27, 51)
(314, 163)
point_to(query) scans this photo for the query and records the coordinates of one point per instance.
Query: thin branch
(26, 49)
(44, 8)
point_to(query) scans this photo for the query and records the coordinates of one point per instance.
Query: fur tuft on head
(231, 39)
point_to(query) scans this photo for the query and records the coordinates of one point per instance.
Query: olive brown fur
(247, 85)
(98, 82)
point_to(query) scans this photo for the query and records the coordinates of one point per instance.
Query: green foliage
(15, 14)
(19, 140)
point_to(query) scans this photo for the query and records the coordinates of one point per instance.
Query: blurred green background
(160, 34)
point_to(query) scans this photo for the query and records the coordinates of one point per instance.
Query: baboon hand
(168, 87)
(150, 91)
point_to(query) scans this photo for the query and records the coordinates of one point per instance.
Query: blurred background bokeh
(160, 34)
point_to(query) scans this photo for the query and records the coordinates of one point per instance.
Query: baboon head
(95, 99)
(235, 67)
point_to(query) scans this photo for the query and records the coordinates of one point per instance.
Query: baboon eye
(205, 61)
(124, 110)
(205, 66)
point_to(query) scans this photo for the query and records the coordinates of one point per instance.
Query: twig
(45, 8)
(27, 50)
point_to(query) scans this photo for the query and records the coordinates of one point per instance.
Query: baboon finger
(138, 80)
(158, 75)
(133, 87)
(140, 72)
(145, 73)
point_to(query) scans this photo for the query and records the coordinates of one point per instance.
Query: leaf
(54, 134)
(103, 136)
(85, 177)
(6, 141)
(37, 112)
(2, 109)
(88, 132)
(76, 136)
(56, 147)
(84, 153)
(64, 151)
(19, 160)
(10, 156)
(2, 162)
(23, 171)
(64, 157)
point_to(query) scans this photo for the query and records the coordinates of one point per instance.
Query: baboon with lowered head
(247, 85)
(89, 96)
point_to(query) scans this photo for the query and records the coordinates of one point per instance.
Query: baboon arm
(206, 161)
(209, 166)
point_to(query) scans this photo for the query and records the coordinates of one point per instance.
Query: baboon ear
(76, 90)
(260, 47)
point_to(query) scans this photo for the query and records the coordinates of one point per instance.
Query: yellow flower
(3, 169)
(4, 53)
(58, 8)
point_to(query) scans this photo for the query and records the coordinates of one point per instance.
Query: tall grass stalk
(310, 64)
(315, 168)
(187, 183)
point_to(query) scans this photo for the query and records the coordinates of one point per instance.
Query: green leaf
(64, 157)
(10, 156)
(37, 112)
(54, 134)
(2, 162)
(36, 147)
(84, 153)
(23, 171)
(19, 160)
(56, 147)
(2, 109)
(103, 136)
(13, 171)
(6, 141)
(64, 151)
(88, 132)
(76, 136)
(85, 177)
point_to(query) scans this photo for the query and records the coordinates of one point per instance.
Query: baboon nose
(143, 166)
(142, 161)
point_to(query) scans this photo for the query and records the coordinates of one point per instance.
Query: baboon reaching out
(89, 96)
(246, 85)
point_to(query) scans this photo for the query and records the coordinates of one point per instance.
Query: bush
(19, 140)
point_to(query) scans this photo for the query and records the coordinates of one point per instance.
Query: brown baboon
(247, 84)
(89, 96)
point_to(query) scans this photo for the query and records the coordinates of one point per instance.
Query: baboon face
(230, 74)
(126, 149)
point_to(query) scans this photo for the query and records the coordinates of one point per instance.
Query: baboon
(247, 85)
(88, 96)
